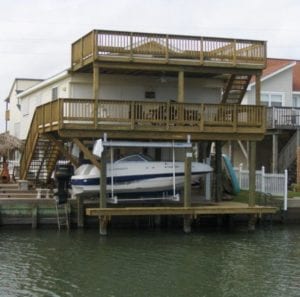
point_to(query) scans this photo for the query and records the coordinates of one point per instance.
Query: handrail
(283, 117)
(156, 115)
(116, 44)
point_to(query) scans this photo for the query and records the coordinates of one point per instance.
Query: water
(150, 263)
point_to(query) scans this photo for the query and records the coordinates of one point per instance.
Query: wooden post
(252, 222)
(187, 178)
(187, 190)
(80, 212)
(102, 202)
(257, 89)
(218, 161)
(96, 81)
(180, 96)
(298, 157)
(252, 173)
(34, 222)
(275, 153)
(298, 166)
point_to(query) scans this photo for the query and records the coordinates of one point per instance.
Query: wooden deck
(161, 49)
(171, 119)
(213, 209)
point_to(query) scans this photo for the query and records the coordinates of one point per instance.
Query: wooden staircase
(39, 156)
(43, 160)
(235, 89)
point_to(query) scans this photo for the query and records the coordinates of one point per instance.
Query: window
(54, 93)
(296, 100)
(272, 99)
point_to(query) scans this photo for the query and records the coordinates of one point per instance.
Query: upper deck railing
(167, 48)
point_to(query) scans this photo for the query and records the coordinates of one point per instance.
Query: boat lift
(100, 145)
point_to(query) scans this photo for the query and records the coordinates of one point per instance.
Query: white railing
(272, 183)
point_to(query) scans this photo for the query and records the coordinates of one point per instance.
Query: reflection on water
(150, 263)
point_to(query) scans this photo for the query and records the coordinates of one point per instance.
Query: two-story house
(144, 86)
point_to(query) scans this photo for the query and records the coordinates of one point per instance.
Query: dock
(19, 207)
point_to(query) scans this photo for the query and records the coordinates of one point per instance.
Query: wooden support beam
(34, 222)
(252, 174)
(62, 149)
(80, 212)
(274, 153)
(187, 178)
(180, 97)
(86, 152)
(96, 83)
(102, 199)
(187, 220)
(219, 189)
(257, 89)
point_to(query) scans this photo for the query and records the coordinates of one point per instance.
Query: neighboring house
(13, 104)
(280, 92)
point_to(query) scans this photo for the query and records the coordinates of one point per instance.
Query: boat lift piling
(100, 150)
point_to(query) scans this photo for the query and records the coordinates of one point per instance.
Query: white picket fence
(273, 183)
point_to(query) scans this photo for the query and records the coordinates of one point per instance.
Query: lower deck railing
(146, 115)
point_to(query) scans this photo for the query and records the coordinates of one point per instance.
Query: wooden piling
(187, 190)
(80, 212)
(34, 222)
(102, 202)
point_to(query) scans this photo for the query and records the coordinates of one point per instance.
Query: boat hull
(136, 178)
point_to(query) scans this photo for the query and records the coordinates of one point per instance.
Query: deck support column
(80, 212)
(257, 89)
(96, 82)
(252, 222)
(275, 153)
(180, 96)
(218, 195)
(187, 190)
(102, 202)
(34, 222)
(252, 173)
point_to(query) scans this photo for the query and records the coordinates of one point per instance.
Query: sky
(36, 35)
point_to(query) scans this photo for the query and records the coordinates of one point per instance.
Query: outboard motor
(63, 173)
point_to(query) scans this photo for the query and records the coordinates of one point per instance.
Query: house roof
(276, 66)
(16, 81)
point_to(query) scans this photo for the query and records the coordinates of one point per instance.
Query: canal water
(156, 263)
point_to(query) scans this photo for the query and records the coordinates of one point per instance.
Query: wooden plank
(62, 149)
(252, 174)
(203, 210)
(86, 152)
(180, 96)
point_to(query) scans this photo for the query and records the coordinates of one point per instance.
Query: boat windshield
(135, 158)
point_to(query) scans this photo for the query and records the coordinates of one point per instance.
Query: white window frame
(298, 95)
(270, 94)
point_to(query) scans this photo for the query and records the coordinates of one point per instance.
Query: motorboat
(136, 174)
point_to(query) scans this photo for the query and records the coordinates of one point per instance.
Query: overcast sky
(36, 35)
